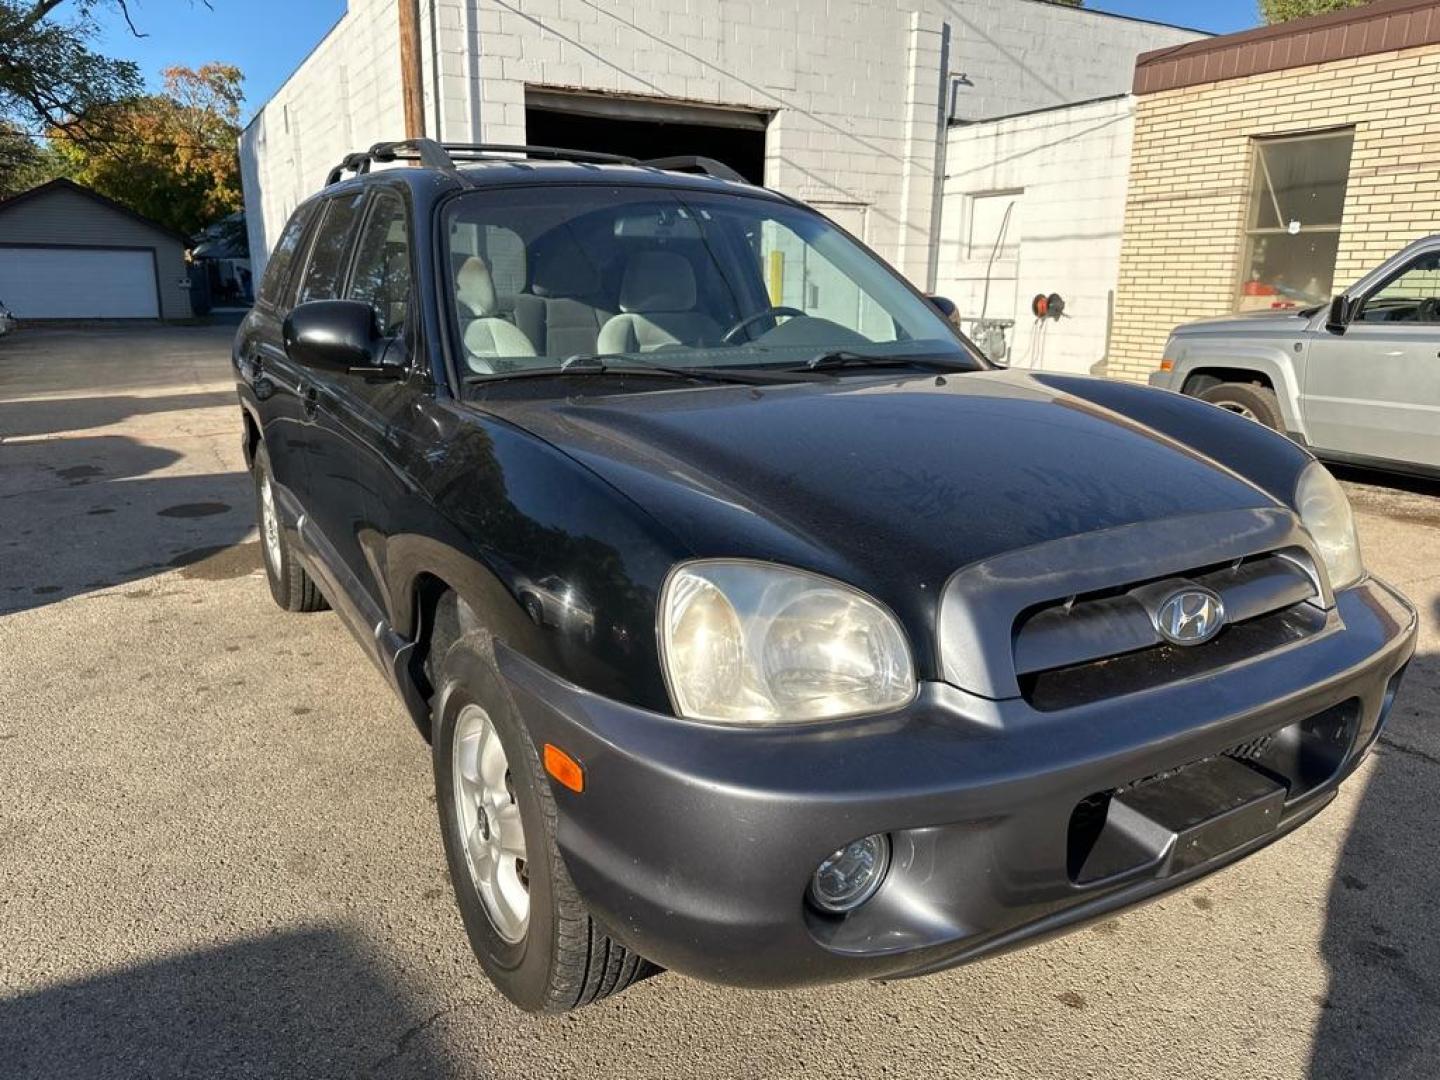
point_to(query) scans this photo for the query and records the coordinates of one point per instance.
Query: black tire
(289, 584)
(1256, 402)
(564, 959)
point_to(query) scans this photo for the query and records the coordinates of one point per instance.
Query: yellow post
(777, 277)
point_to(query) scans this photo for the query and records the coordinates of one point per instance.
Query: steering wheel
(1429, 310)
(770, 312)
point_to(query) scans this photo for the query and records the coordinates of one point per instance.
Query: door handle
(310, 402)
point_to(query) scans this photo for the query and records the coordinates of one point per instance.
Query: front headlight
(752, 643)
(1325, 513)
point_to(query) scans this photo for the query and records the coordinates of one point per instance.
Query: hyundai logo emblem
(1190, 616)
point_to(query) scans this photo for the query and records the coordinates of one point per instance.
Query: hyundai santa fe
(760, 628)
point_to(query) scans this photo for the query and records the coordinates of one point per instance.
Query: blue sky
(266, 39)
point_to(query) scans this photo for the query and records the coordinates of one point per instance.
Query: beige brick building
(1272, 167)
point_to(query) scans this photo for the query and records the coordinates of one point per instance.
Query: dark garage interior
(646, 129)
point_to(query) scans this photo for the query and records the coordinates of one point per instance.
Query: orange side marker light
(1167, 365)
(564, 768)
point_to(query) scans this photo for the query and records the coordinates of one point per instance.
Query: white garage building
(847, 104)
(67, 252)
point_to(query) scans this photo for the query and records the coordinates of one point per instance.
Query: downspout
(942, 144)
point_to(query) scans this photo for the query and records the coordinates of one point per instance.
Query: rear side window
(382, 263)
(272, 285)
(325, 270)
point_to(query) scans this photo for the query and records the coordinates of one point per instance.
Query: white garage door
(78, 283)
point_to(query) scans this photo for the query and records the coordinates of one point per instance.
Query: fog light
(851, 875)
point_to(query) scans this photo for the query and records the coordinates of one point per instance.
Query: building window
(1297, 198)
(993, 226)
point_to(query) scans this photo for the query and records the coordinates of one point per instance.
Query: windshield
(545, 275)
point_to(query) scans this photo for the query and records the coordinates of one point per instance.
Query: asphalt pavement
(219, 858)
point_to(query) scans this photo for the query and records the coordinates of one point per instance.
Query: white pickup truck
(1357, 381)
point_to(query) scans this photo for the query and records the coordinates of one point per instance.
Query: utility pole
(411, 75)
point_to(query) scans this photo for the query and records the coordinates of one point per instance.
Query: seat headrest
(475, 288)
(658, 281)
(564, 271)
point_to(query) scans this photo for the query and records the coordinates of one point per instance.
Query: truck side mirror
(1340, 314)
(947, 309)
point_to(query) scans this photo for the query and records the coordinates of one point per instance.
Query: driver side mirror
(946, 307)
(337, 335)
(1342, 310)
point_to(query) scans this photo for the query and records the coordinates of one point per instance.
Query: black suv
(761, 628)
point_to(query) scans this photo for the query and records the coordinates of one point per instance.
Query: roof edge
(957, 124)
(1127, 18)
(1378, 27)
(64, 183)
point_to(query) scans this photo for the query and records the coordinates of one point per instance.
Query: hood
(864, 478)
(1279, 320)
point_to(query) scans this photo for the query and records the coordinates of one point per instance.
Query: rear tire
(1257, 403)
(290, 585)
(559, 957)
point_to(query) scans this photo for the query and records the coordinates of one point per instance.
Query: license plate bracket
(1166, 826)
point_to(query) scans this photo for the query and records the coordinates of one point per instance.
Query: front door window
(1411, 296)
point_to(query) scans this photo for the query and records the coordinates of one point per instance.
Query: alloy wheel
(488, 818)
(270, 521)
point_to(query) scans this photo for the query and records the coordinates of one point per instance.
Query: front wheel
(527, 925)
(1257, 403)
(290, 585)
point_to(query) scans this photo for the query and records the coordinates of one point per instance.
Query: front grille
(1086, 648)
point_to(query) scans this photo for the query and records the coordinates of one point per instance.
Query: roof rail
(444, 156)
(436, 155)
(695, 163)
(480, 151)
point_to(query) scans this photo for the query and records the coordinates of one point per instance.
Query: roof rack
(444, 156)
(695, 163)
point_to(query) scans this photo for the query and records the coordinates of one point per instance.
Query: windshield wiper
(837, 358)
(619, 364)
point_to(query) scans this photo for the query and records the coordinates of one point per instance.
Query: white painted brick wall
(856, 86)
(1026, 54)
(1071, 167)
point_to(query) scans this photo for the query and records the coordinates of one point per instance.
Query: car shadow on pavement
(1381, 1015)
(303, 1003)
(94, 511)
(52, 416)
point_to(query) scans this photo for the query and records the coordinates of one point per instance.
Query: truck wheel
(527, 925)
(1257, 403)
(289, 584)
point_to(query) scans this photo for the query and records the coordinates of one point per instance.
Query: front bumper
(694, 844)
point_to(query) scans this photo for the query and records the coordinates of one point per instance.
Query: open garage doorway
(646, 128)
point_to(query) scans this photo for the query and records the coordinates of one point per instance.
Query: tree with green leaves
(49, 75)
(24, 163)
(170, 156)
(1278, 11)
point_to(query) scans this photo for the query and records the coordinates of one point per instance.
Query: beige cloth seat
(486, 335)
(657, 307)
(565, 307)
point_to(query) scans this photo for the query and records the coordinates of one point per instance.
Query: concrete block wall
(1019, 55)
(344, 95)
(855, 87)
(1191, 175)
(858, 89)
(1065, 170)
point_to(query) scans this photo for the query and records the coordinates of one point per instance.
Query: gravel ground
(219, 855)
